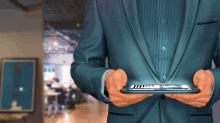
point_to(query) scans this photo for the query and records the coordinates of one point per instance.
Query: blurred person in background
(56, 84)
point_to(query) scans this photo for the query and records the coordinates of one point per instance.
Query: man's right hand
(114, 82)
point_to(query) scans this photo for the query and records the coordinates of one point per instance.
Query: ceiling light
(55, 44)
(49, 48)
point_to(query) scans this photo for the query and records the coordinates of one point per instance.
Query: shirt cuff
(212, 89)
(103, 85)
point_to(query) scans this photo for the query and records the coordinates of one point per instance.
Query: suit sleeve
(107, 100)
(216, 73)
(90, 54)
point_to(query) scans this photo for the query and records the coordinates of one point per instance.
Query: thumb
(117, 80)
(202, 80)
(108, 79)
(196, 77)
(124, 77)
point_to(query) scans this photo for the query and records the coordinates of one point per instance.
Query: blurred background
(50, 30)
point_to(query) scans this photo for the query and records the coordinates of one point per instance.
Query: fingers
(207, 93)
(116, 99)
(204, 81)
(197, 104)
(187, 97)
(114, 92)
(136, 97)
(202, 100)
(121, 104)
(119, 78)
(119, 99)
(196, 100)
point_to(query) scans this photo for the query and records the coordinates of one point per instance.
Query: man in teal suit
(155, 41)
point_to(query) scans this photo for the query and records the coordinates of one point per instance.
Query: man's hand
(204, 80)
(114, 82)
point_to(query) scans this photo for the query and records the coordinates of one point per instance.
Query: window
(64, 75)
(49, 72)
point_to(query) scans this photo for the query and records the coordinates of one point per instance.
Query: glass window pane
(49, 72)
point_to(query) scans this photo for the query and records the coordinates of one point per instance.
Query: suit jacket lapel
(129, 8)
(190, 18)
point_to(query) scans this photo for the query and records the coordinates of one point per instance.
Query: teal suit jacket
(111, 29)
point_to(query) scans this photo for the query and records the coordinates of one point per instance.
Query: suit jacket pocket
(201, 119)
(206, 26)
(119, 118)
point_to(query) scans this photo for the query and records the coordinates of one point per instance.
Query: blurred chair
(48, 104)
(49, 85)
(50, 109)
(61, 100)
(75, 97)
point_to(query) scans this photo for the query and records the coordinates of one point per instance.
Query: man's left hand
(204, 80)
